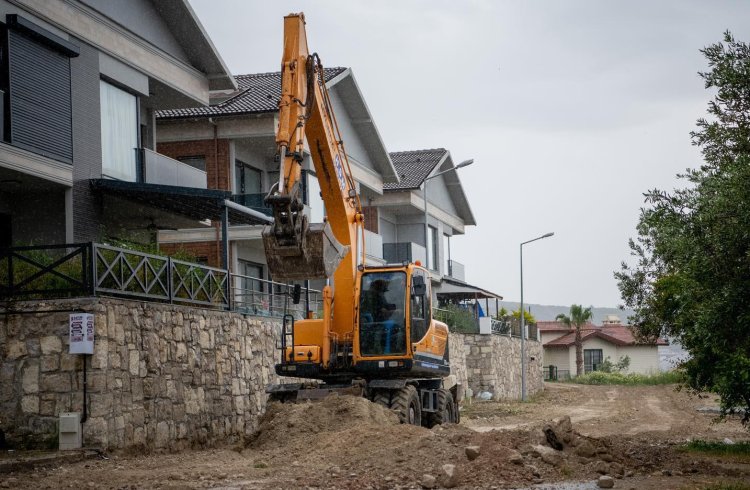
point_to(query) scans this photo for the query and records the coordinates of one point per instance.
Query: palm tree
(579, 316)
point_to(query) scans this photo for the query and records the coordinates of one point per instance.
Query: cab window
(420, 305)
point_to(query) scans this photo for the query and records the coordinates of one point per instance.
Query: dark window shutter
(40, 105)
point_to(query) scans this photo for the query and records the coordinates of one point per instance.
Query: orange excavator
(376, 336)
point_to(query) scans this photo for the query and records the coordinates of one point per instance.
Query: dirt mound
(284, 423)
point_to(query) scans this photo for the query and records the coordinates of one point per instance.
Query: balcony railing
(396, 253)
(93, 269)
(253, 201)
(456, 270)
(258, 297)
(160, 169)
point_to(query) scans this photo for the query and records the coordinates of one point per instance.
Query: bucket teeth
(316, 256)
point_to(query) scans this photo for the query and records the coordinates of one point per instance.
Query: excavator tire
(382, 398)
(446, 410)
(406, 404)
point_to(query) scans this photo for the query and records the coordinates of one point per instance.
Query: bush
(602, 378)
(460, 320)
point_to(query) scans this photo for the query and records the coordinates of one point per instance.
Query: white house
(611, 341)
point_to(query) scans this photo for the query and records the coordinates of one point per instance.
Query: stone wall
(168, 377)
(493, 364)
(162, 376)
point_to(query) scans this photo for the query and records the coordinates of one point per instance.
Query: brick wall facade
(208, 252)
(371, 218)
(216, 153)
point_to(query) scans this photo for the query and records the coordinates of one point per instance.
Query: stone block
(56, 383)
(30, 377)
(50, 344)
(50, 363)
(30, 404)
(47, 408)
(68, 362)
(15, 349)
(101, 355)
(134, 362)
(162, 435)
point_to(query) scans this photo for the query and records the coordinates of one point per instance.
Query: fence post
(169, 279)
(92, 273)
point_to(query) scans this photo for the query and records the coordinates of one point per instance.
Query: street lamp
(523, 321)
(463, 164)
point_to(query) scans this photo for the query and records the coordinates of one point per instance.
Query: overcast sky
(570, 110)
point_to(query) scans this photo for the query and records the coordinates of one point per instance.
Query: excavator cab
(382, 314)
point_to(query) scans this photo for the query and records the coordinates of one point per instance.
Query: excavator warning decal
(339, 172)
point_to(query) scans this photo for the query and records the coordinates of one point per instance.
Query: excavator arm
(296, 249)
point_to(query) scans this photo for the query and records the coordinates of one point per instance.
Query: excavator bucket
(316, 257)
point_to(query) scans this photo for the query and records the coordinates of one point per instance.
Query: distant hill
(550, 312)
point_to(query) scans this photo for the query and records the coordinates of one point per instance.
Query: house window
(119, 114)
(195, 161)
(247, 179)
(35, 93)
(592, 359)
(433, 247)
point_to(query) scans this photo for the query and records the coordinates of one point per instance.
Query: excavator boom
(294, 248)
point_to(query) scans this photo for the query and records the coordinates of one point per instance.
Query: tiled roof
(555, 326)
(257, 93)
(413, 167)
(615, 334)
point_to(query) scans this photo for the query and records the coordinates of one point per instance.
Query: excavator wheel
(406, 404)
(446, 410)
(382, 398)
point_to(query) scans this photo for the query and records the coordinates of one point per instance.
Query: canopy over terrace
(176, 204)
(455, 291)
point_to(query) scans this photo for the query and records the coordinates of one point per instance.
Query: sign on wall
(81, 333)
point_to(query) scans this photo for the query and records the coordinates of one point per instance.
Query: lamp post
(465, 163)
(523, 320)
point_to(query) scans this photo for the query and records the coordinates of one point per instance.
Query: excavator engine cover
(316, 256)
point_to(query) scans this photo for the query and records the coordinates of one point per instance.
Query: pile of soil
(286, 423)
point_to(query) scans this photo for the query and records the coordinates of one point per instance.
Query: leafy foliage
(691, 277)
(459, 319)
(607, 366)
(719, 448)
(579, 316)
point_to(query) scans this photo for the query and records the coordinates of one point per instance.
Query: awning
(455, 290)
(190, 202)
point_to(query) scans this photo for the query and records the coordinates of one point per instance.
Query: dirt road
(630, 433)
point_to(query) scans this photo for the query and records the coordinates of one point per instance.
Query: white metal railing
(456, 270)
(259, 297)
(160, 169)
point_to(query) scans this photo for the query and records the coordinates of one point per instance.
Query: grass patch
(602, 378)
(719, 448)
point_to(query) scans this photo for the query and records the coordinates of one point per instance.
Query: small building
(611, 341)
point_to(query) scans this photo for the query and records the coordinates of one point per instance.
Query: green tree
(579, 316)
(691, 277)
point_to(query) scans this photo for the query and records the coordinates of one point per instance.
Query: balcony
(456, 270)
(253, 201)
(159, 169)
(374, 248)
(396, 253)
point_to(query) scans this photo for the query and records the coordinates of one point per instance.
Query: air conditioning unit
(70, 430)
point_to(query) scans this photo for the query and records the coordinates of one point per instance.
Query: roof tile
(257, 93)
(413, 167)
